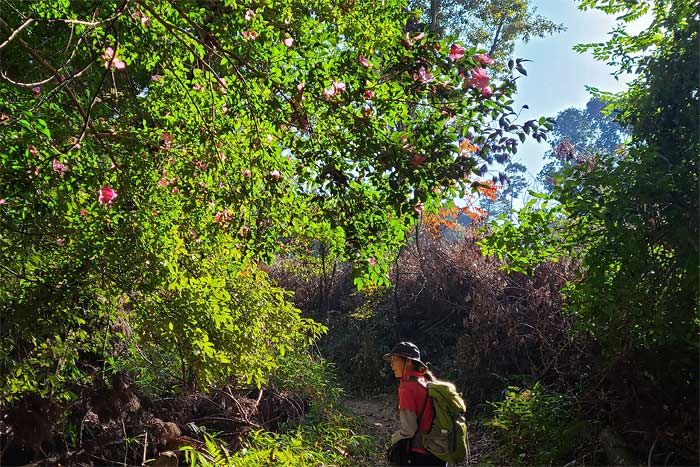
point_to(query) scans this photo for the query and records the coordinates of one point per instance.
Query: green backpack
(447, 438)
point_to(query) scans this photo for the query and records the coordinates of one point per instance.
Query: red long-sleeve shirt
(412, 400)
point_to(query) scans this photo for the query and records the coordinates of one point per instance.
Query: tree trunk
(434, 12)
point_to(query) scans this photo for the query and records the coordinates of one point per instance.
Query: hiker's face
(399, 365)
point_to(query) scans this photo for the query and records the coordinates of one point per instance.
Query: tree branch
(496, 37)
(15, 32)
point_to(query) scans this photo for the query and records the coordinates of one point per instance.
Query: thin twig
(145, 445)
(651, 451)
(126, 442)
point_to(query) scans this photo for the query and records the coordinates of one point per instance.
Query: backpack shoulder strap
(425, 401)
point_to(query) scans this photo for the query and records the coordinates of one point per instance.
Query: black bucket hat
(407, 350)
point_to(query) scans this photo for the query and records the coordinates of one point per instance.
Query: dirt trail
(380, 415)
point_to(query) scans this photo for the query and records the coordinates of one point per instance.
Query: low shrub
(331, 443)
(536, 427)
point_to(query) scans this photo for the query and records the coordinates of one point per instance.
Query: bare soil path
(379, 416)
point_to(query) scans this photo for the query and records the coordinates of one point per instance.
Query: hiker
(415, 408)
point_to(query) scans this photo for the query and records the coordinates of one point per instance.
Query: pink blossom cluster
(423, 75)
(456, 52)
(222, 216)
(107, 195)
(249, 35)
(110, 60)
(483, 59)
(59, 168)
(167, 140)
(479, 79)
(335, 89)
(141, 17)
(408, 41)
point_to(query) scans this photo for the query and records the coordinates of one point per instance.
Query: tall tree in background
(631, 217)
(630, 220)
(578, 135)
(493, 25)
(512, 182)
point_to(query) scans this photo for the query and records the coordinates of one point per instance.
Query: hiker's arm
(408, 425)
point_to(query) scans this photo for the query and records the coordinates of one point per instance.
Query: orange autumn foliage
(488, 189)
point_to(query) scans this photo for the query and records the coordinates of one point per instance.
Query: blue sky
(557, 76)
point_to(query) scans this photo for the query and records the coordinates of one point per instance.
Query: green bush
(331, 443)
(312, 378)
(535, 427)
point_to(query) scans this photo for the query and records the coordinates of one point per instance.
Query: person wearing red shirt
(415, 407)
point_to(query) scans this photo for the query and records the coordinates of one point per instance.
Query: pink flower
(479, 78)
(247, 173)
(59, 168)
(483, 59)
(249, 35)
(163, 182)
(107, 55)
(36, 92)
(367, 111)
(139, 16)
(456, 52)
(423, 75)
(156, 77)
(288, 41)
(60, 241)
(3, 201)
(276, 174)
(83, 212)
(249, 14)
(336, 88)
(364, 62)
(300, 87)
(107, 195)
(167, 139)
(269, 139)
(371, 261)
(219, 217)
(197, 87)
(110, 60)
(36, 171)
(369, 94)
(222, 85)
(32, 150)
(175, 190)
(419, 37)
(486, 91)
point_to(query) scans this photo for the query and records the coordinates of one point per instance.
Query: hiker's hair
(427, 374)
